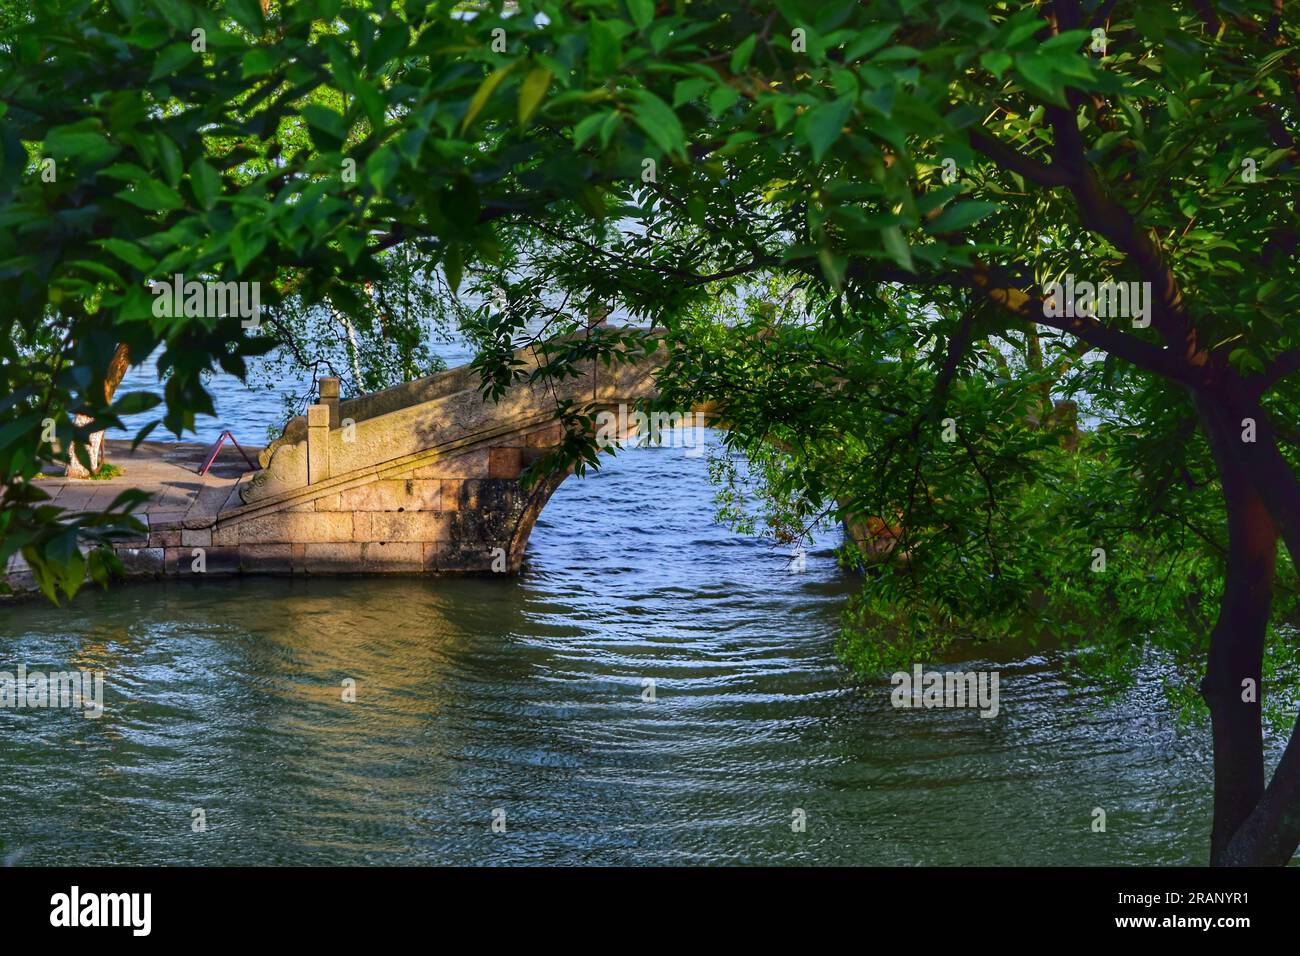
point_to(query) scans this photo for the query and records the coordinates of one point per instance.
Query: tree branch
(1138, 351)
(1017, 162)
(1283, 365)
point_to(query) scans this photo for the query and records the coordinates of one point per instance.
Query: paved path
(168, 471)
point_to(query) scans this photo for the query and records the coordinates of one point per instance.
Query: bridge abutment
(464, 512)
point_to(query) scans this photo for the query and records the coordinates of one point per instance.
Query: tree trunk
(117, 367)
(1034, 360)
(1268, 833)
(1231, 686)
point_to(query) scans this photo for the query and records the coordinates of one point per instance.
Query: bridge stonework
(423, 477)
(465, 511)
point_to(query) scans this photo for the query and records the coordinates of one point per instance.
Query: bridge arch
(425, 476)
(615, 425)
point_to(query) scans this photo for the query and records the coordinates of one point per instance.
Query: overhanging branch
(1285, 364)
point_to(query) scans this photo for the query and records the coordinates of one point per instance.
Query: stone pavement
(168, 472)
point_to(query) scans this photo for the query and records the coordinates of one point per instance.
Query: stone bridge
(422, 477)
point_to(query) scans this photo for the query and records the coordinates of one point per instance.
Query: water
(526, 696)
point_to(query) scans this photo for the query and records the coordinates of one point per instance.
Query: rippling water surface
(526, 696)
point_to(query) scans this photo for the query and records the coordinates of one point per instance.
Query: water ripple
(532, 698)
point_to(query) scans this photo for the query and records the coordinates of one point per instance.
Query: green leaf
(453, 264)
(1275, 157)
(721, 99)
(248, 14)
(960, 215)
(172, 59)
(382, 167)
(128, 172)
(1245, 361)
(372, 102)
(1031, 25)
(169, 158)
(483, 93)
(152, 196)
(177, 13)
(897, 247)
(1039, 72)
(353, 243)
(872, 38)
(833, 267)
(327, 124)
(587, 128)
(1071, 41)
(128, 252)
(531, 93)
(259, 61)
(643, 11)
(740, 56)
(244, 247)
(687, 90)
(659, 122)
(603, 50)
(613, 120)
(80, 140)
(98, 269)
(996, 62)
(205, 183)
(824, 123)
(393, 37)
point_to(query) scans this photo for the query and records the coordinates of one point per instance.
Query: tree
(93, 450)
(906, 178)
(925, 178)
(171, 139)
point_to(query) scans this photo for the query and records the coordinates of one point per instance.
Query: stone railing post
(318, 443)
(329, 396)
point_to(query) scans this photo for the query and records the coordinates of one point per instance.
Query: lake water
(525, 700)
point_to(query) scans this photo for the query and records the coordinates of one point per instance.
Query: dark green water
(526, 696)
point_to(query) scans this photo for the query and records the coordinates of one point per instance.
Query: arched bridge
(424, 476)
